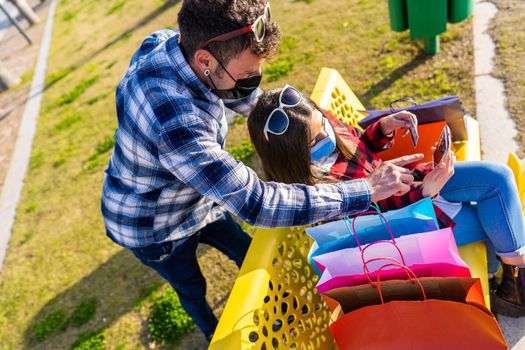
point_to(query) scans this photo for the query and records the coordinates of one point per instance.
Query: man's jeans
(495, 215)
(176, 262)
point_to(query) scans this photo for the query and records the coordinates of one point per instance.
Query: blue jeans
(176, 262)
(491, 208)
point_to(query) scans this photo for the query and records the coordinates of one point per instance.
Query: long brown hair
(286, 158)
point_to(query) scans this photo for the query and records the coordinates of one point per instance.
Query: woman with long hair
(298, 142)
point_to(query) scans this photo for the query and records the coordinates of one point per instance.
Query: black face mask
(243, 87)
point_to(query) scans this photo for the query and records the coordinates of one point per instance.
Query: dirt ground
(20, 58)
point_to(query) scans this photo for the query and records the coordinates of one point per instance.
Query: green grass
(243, 152)
(168, 320)
(58, 75)
(284, 64)
(59, 256)
(52, 323)
(74, 93)
(36, 160)
(56, 321)
(89, 341)
(68, 121)
(68, 16)
(84, 312)
(278, 69)
(26, 77)
(116, 7)
(94, 160)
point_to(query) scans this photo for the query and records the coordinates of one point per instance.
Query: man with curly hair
(170, 184)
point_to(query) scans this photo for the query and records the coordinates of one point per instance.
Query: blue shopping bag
(415, 218)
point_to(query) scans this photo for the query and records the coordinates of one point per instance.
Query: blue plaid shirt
(169, 175)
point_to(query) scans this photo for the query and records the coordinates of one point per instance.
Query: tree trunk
(26, 11)
(7, 79)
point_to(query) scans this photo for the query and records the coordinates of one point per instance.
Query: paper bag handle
(402, 99)
(346, 219)
(387, 258)
(408, 270)
(367, 272)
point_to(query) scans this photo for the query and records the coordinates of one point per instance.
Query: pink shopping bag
(428, 254)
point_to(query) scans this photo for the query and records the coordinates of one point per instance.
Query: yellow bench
(518, 168)
(274, 303)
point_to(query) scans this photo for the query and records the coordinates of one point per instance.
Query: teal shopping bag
(332, 236)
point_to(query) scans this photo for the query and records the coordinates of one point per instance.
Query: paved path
(14, 181)
(497, 129)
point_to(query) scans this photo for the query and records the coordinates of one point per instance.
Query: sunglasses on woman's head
(278, 121)
(258, 28)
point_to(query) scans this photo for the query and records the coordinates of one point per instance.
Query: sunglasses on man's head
(278, 121)
(258, 28)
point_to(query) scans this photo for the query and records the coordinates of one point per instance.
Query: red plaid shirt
(365, 160)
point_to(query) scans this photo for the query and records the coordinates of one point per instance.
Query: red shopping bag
(427, 324)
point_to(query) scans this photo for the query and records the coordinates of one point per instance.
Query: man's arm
(189, 151)
(396, 202)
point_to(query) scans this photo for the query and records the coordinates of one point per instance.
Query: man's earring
(207, 72)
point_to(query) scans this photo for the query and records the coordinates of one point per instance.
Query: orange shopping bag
(427, 324)
(428, 136)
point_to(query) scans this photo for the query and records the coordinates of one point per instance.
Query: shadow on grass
(119, 285)
(115, 284)
(395, 75)
(142, 22)
(80, 63)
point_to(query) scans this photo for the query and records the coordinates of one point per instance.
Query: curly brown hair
(201, 20)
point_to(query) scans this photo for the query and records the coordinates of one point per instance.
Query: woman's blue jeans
(491, 208)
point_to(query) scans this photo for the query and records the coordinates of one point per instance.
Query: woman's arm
(379, 136)
(375, 139)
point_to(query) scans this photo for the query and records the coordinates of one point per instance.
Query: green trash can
(427, 19)
(459, 10)
(397, 11)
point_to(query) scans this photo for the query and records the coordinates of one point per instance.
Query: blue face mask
(326, 146)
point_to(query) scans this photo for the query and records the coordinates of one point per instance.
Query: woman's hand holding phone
(398, 120)
(438, 177)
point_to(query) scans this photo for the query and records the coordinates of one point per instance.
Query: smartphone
(413, 132)
(442, 146)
